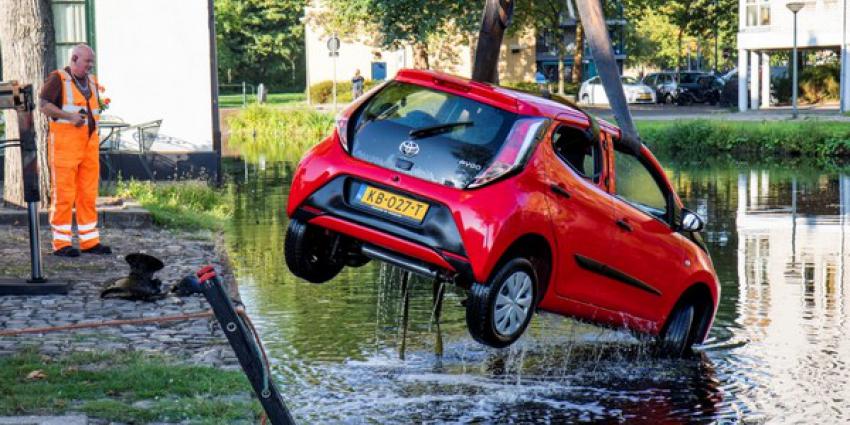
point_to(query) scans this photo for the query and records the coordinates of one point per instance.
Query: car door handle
(560, 191)
(621, 223)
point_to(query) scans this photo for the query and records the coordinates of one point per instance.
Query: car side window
(650, 81)
(636, 185)
(579, 151)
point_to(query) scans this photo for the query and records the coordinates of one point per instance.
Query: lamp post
(794, 7)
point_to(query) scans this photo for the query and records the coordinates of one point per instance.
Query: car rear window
(418, 107)
(431, 134)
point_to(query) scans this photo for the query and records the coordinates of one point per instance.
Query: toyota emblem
(408, 148)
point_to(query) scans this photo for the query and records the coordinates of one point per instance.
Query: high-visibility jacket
(75, 167)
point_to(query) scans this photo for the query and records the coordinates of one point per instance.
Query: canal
(345, 352)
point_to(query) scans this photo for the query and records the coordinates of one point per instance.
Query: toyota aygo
(528, 203)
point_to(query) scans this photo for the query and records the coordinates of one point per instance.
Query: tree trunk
(420, 55)
(578, 56)
(561, 72)
(27, 42)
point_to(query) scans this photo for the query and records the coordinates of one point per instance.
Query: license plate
(645, 97)
(392, 203)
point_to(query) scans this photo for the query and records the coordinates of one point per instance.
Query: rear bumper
(432, 249)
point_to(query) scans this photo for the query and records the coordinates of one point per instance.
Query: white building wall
(153, 57)
(819, 24)
(353, 55)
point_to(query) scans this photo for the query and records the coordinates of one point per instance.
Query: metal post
(794, 7)
(36, 275)
(333, 59)
(244, 95)
(794, 77)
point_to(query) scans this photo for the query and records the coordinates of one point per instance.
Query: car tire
(498, 312)
(307, 250)
(675, 339)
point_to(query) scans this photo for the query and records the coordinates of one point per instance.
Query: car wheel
(307, 250)
(668, 99)
(498, 312)
(675, 339)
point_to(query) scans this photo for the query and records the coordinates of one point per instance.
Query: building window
(758, 13)
(73, 23)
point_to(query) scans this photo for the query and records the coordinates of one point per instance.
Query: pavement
(112, 212)
(675, 112)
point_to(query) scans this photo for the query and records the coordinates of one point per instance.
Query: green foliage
(107, 386)
(820, 82)
(277, 135)
(322, 92)
(261, 41)
(275, 99)
(531, 87)
(185, 205)
(702, 138)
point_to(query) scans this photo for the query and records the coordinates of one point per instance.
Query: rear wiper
(438, 129)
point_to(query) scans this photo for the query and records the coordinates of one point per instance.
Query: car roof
(515, 101)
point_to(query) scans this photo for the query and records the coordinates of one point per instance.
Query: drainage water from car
(779, 240)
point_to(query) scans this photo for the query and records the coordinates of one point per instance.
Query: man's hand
(77, 119)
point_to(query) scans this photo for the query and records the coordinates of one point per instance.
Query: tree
(27, 42)
(261, 41)
(400, 22)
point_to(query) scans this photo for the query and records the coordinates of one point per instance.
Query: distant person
(357, 85)
(540, 79)
(70, 98)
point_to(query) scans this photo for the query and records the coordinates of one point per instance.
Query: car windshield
(629, 80)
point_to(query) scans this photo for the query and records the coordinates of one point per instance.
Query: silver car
(592, 92)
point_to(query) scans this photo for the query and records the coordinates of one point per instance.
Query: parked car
(664, 84)
(592, 92)
(529, 204)
(697, 87)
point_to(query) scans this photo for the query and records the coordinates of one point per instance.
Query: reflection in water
(352, 350)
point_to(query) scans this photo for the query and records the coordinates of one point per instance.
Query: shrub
(701, 138)
(322, 92)
(820, 83)
(569, 88)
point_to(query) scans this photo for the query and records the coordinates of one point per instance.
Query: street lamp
(794, 7)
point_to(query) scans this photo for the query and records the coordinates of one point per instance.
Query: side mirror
(691, 222)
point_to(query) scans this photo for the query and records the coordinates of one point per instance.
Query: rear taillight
(342, 130)
(514, 152)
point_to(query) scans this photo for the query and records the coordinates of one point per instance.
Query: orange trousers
(75, 171)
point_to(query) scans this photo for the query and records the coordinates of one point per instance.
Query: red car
(528, 203)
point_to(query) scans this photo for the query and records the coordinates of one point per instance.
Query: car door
(599, 95)
(581, 211)
(650, 263)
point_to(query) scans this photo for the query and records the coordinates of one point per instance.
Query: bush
(322, 92)
(276, 135)
(530, 87)
(701, 138)
(820, 83)
(187, 205)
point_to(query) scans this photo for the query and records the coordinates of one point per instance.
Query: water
(778, 350)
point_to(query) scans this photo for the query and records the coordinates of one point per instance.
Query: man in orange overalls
(70, 98)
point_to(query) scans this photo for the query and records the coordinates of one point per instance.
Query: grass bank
(126, 387)
(700, 138)
(272, 99)
(185, 205)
